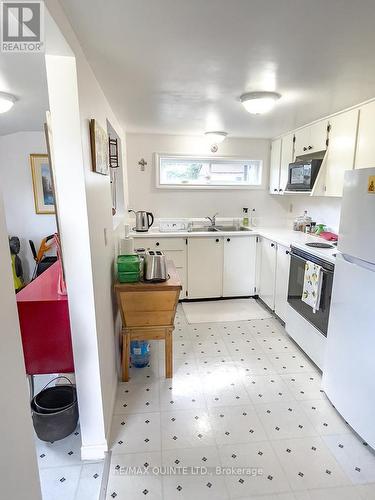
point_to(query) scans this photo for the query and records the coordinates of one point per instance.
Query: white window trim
(156, 164)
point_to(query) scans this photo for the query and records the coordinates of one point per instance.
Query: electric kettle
(143, 220)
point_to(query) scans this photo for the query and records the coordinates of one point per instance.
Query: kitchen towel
(312, 285)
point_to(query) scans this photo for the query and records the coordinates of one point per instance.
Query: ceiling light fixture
(6, 102)
(259, 102)
(215, 137)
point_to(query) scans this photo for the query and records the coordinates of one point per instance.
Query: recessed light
(215, 137)
(6, 102)
(259, 102)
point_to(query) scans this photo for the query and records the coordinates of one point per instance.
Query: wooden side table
(147, 311)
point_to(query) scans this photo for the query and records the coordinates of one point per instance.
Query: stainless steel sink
(232, 228)
(209, 229)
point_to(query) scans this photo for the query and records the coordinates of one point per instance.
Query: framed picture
(99, 148)
(44, 197)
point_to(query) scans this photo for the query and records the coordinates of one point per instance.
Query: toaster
(155, 266)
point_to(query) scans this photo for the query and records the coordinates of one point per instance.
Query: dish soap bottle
(245, 217)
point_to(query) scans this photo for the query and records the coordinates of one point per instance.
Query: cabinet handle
(275, 189)
(280, 190)
(287, 252)
(305, 149)
(217, 240)
(228, 239)
(310, 147)
(272, 245)
(157, 243)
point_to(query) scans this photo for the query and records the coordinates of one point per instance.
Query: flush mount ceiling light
(259, 102)
(215, 137)
(6, 102)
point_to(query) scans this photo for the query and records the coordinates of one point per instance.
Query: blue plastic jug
(140, 353)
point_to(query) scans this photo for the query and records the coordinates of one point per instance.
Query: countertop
(282, 236)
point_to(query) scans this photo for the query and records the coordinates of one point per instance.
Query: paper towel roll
(127, 246)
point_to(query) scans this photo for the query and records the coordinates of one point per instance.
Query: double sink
(218, 229)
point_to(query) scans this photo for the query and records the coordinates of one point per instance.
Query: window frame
(157, 157)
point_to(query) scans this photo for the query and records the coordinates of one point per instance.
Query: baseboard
(94, 451)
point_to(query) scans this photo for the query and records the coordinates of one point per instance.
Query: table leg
(168, 353)
(125, 356)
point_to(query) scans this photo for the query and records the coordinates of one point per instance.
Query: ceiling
(179, 66)
(24, 76)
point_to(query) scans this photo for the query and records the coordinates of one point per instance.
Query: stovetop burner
(319, 245)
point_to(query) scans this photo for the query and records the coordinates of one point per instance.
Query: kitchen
(220, 265)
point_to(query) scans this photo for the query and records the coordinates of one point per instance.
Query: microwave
(302, 175)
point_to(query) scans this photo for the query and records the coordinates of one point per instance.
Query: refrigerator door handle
(370, 266)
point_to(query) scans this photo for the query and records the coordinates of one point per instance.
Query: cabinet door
(287, 156)
(268, 273)
(302, 141)
(365, 154)
(239, 266)
(318, 137)
(341, 149)
(205, 267)
(275, 166)
(282, 281)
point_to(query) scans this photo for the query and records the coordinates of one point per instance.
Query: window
(207, 172)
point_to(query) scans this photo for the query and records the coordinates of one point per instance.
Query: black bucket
(55, 411)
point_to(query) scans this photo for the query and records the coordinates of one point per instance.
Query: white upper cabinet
(311, 139)
(365, 154)
(275, 166)
(340, 152)
(287, 156)
(239, 266)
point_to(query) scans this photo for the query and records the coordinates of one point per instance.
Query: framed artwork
(99, 148)
(44, 197)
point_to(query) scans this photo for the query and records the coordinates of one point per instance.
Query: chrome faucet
(212, 219)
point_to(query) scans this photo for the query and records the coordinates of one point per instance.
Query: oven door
(296, 277)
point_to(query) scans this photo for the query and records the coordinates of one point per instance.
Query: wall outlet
(105, 237)
(291, 208)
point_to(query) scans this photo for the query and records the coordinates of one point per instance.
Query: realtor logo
(22, 26)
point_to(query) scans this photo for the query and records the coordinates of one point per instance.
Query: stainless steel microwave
(302, 175)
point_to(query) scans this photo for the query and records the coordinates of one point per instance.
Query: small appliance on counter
(143, 220)
(155, 266)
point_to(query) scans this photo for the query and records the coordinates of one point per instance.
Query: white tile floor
(244, 396)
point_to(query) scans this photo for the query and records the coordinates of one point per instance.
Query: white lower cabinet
(274, 276)
(239, 268)
(267, 272)
(205, 267)
(282, 281)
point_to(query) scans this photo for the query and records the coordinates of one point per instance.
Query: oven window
(301, 175)
(296, 277)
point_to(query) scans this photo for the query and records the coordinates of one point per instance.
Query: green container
(129, 277)
(128, 264)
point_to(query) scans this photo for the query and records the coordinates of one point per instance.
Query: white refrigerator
(349, 368)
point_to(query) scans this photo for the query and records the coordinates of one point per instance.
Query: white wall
(270, 210)
(322, 210)
(17, 187)
(196, 203)
(94, 332)
(18, 464)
